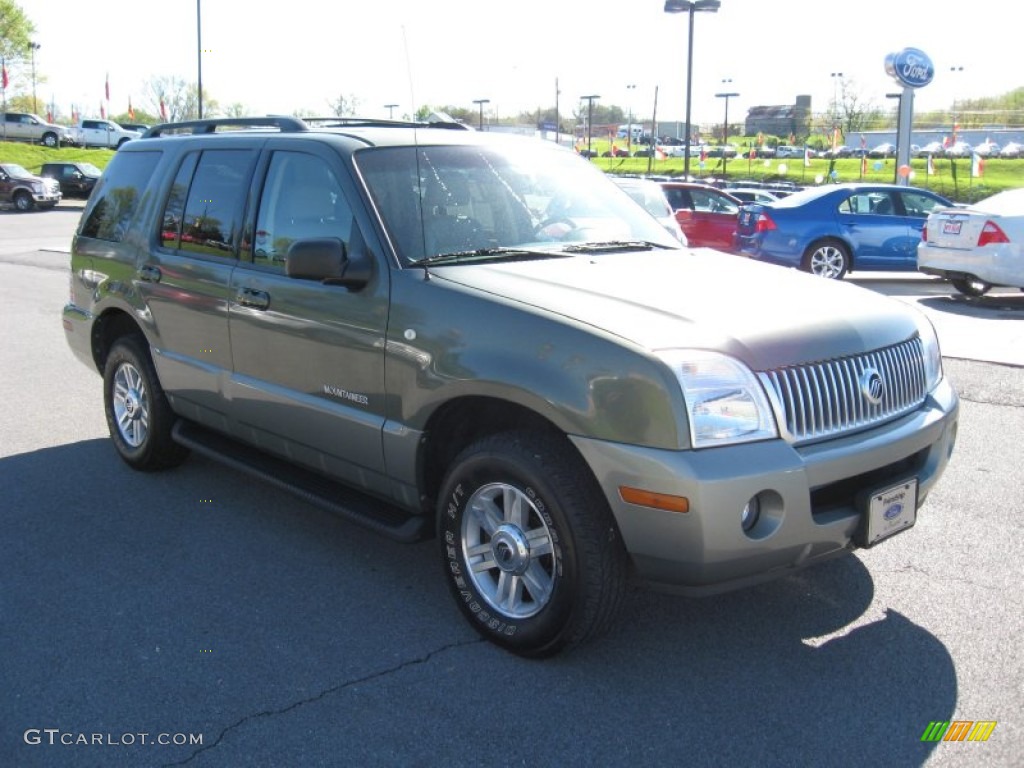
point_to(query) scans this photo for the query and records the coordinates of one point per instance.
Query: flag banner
(103, 111)
(106, 87)
(4, 79)
(131, 110)
(977, 166)
(163, 111)
(931, 166)
(807, 158)
(863, 165)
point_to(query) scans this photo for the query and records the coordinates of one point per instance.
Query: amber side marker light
(655, 500)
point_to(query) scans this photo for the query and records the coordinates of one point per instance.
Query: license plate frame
(951, 227)
(889, 511)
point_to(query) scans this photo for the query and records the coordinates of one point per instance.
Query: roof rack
(283, 124)
(374, 122)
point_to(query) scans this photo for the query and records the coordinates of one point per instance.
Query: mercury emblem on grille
(872, 386)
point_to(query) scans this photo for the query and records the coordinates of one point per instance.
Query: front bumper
(810, 508)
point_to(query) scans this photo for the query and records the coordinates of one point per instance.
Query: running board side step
(360, 508)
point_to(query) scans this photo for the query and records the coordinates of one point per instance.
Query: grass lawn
(32, 156)
(997, 174)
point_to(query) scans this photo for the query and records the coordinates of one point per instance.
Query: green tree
(16, 32)
(344, 106)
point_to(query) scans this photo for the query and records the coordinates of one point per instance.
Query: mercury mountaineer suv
(435, 331)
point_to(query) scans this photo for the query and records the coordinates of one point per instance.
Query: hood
(765, 315)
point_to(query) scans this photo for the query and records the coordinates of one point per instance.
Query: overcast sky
(282, 57)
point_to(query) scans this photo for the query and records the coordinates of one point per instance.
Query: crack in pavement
(322, 695)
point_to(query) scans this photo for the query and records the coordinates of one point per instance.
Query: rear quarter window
(116, 198)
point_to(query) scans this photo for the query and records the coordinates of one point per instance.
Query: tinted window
(301, 198)
(174, 211)
(213, 207)
(116, 198)
(920, 205)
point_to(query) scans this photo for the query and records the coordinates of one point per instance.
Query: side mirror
(326, 260)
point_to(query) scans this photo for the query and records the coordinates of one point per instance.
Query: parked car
(139, 128)
(789, 151)
(75, 179)
(102, 133)
(884, 149)
(976, 247)
(933, 148)
(834, 229)
(1010, 150)
(959, 149)
(478, 337)
(651, 196)
(988, 149)
(24, 126)
(706, 215)
(747, 195)
(25, 190)
(838, 151)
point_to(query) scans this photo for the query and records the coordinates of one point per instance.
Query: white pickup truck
(101, 133)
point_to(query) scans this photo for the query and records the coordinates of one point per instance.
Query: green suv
(439, 332)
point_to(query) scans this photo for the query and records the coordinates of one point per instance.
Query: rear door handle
(150, 274)
(250, 297)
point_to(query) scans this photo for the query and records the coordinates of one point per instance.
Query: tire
(50, 140)
(122, 142)
(532, 554)
(138, 415)
(827, 258)
(971, 286)
(23, 201)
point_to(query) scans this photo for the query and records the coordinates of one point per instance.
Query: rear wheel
(971, 286)
(138, 415)
(530, 548)
(50, 140)
(827, 258)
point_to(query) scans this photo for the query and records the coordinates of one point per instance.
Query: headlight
(725, 402)
(931, 356)
(38, 187)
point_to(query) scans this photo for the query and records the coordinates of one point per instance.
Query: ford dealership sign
(911, 67)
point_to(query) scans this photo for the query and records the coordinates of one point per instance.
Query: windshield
(16, 171)
(89, 169)
(437, 200)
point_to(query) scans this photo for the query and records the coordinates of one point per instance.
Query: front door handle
(250, 297)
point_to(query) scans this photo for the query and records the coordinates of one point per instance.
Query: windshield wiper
(485, 254)
(615, 245)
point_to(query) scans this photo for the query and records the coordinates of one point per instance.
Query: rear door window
(116, 198)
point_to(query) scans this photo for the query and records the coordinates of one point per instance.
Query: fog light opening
(750, 514)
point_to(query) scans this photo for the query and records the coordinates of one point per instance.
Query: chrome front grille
(832, 397)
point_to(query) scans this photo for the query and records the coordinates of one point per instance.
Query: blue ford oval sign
(911, 67)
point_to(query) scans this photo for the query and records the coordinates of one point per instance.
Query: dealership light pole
(725, 129)
(629, 135)
(590, 117)
(391, 110)
(691, 7)
(34, 47)
(955, 69)
(199, 55)
(480, 103)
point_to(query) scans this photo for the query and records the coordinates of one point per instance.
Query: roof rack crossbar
(210, 125)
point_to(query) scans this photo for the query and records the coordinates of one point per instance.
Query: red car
(706, 215)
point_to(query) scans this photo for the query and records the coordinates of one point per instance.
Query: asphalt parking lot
(196, 617)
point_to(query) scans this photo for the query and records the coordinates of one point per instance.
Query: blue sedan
(837, 228)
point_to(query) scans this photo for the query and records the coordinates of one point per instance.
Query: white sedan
(976, 247)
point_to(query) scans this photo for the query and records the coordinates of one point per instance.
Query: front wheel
(50, 140)
(531, 551)
(23, 202)
(138, 415)
(827, 258)
(971, 286)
